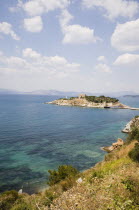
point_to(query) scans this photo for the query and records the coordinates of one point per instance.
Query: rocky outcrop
(114, 146)
(128, 128)
(133, 123)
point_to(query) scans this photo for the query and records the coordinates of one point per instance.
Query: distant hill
(72, 93)
(55, 93)
(69, 93)
(121, 93)
(8, 92)
(42, 92)
(131, 96)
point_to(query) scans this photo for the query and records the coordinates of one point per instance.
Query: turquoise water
(35, 137)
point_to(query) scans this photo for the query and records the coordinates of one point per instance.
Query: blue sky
(69, 45)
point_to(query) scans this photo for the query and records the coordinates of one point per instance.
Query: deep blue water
(35, 137)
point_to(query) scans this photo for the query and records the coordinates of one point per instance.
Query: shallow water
(35, 137)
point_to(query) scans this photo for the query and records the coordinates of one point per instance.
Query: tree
(63, 172)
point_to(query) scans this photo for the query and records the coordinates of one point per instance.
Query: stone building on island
(82, 96)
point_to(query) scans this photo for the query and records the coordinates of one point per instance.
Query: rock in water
(114, 146)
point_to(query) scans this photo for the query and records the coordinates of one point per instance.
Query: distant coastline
(131, 96)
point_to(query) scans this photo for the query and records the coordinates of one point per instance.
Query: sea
(36, 137)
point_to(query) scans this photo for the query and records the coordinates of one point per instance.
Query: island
(92, 101)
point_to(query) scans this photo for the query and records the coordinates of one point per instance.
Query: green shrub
(50, 196)
(63, 172)
(101, 99)
(71, 98)
(133, 135)
(67, 183)
(128, 184)
(63, 98)
(98, 174)
(22, 206)
(7, 199)
(134, 153)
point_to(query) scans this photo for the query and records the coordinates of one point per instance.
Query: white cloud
(103, 68)
(29, 53)
(6, 28)
(114, 8)
(7, 72)
(12, 61)
(65, 18)
(127, 59)
(34, 24)
(16, 62)
(17, 7)
(126, 36)
(38, 7)
(75, 34)
(36, 64)
(101, 59)
(1, 53)
(128, 63)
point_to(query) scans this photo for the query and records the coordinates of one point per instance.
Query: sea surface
(36, 137)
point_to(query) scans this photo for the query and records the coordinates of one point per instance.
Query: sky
(69, 45)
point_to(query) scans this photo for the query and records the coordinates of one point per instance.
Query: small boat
(107, 107)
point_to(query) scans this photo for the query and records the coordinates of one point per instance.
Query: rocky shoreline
(133, 123)
(114, 146)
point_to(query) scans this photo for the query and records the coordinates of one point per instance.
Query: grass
(112, 185)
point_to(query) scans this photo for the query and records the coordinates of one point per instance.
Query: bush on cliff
(7, 199)
(133, 135)
(63, 172)
(21, 205)
(134, 153)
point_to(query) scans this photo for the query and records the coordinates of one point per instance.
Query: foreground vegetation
(111, 185)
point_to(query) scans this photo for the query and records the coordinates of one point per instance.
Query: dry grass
(122, 152)
(110, 185)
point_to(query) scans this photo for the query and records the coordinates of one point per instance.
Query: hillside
(112, 184)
